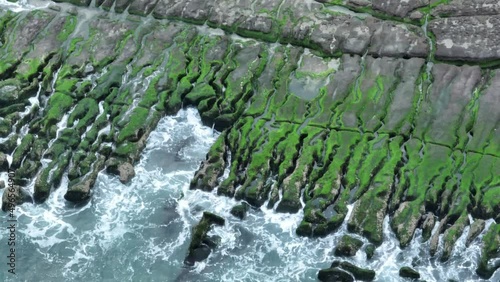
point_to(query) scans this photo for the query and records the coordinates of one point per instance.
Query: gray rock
(417, 15)
(126, 171)
(399, 8)
(457, 8)
(142, 7)
(13, 196)
(467, 38)
(396, 40)
(2, 184)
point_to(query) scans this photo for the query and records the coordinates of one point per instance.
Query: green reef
(347, 117)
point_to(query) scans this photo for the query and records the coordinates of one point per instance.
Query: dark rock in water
(2, 184)
(348, 246)
(246, 236)
(213, 218)
(334, 275)
(124, 169)
(212, 241)
(370, 251)
(76, 2)
(4, 164)
(240, 211)
(13, 196)
(199, 253)
(475, 229)
(201, 244)
(407, 272)
(359, 273)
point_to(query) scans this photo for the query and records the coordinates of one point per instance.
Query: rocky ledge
(320, 106)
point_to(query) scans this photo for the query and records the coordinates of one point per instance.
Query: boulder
(361, 274)
(334, 275)
(125, 170)
(407, 272)
(370, 251)
(13, 196)
(240, 211)
(348, 246)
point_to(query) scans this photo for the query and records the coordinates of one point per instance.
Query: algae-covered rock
(407, 272)
(359, 273)
(490, 250)
(348, 246)
(79, 190)
(334, 275)
(427, 226)
(475, 229)
(240, 210)
(370, 251)
(198, 248)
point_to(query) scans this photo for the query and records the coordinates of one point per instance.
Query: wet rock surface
(318, 109)
(201, 244)
(407, 272)
(13, 196)
(348, 246)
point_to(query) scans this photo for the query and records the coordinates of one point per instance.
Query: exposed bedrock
(312, 25)
(347, 119)
(471, 38)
